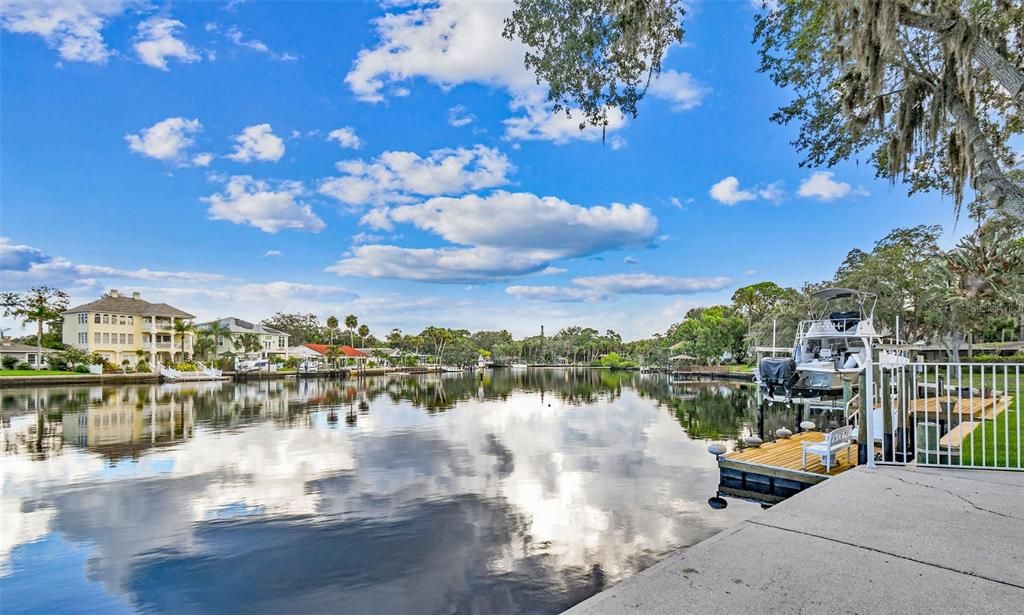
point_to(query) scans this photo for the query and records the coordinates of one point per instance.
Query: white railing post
(869, 384)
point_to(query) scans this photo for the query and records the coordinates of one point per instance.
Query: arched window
(97, 319)
(106, 319)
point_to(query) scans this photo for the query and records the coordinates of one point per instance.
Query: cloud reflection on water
(417, 495)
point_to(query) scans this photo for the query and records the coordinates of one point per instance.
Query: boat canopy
(827, 294)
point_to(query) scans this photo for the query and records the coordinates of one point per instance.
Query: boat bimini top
(850, 323)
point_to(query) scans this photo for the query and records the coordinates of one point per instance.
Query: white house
(23, 353)
(272, 341)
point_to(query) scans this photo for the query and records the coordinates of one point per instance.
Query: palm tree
(218, 332)
(351, 322)
(248, 343)
(204, 345)
(182, 327)
(40, 304)
(333, 352)
(332, 324)
(364, 332)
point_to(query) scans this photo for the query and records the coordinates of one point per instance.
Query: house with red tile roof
(347, 354)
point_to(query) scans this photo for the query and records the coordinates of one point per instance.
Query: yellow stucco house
(119, 327)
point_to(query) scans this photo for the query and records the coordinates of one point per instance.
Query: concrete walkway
(889, 540)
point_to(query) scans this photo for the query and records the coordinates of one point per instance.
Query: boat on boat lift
(837, 344)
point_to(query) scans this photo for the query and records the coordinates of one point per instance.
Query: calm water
(521, 492)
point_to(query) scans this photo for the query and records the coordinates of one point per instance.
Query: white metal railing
(950, 414)
(836, 327)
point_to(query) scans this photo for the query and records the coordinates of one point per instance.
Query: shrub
(142, 367)
(185, 366)
(996, 358)
(291, 363)
(81, 369)
(9, 361)
(23, 366)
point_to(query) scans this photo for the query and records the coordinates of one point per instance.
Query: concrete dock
(887, 540)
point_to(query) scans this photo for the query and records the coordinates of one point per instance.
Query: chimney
(113, 293)
(137, 296)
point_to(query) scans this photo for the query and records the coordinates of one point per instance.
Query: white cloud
(202, 160)
(478, 264)
(258, 142)
(772, 192)
(597, 288)
(271, 253)
(629, 260)
(680, 89)
(678, 203)
(460, 116)
(156, 42)
(25, 265)
(257, 203)
(728, 192)
(498, 236)
(72, 27)
(821, 186)
(167, 140)
(399, 177)
(451, 43)
(236, 37)
(539, 124)
(346, 137)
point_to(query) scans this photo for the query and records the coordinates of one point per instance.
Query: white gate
(964, 415)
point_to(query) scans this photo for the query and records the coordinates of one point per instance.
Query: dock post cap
(753, 441)
(716, 449)
(807, 425)
(783, 433)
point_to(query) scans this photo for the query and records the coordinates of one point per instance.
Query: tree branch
(989, 179)
(1005, 72)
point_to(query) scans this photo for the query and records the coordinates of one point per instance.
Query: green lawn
(996, 433)
(36, 372)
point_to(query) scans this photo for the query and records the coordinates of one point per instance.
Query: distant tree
(248, 343)
(395, 338)
(755, 300)
(301, 328)
(332, 326)
(182, 328)
(204, 345)
(351, 322)
(710, 333)
(218, 332)
(364, 332)
(38, 305)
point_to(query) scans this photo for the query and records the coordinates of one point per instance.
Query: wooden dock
(773, 472)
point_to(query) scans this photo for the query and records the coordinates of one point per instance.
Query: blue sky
(397, 162)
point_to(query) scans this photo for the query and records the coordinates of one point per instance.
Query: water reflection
(511, 492)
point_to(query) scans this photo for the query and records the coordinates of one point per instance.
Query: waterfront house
(23, 353)
(348, 356)
(272, 341)
(121, 328)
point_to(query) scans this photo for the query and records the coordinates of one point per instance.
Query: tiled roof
(128, 305)
(348, 351)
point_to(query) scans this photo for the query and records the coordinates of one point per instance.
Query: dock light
(753, 441)
(807, 425)
(716, 449)
(717, 503)
(782, 433)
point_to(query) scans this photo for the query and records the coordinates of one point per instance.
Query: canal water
(511, 492)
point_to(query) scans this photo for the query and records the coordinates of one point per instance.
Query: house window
(83, 338)
(106, 338)
(97, 337)
(131, 338)
(97, 319)
(83, 318)
(31, 359)
(124, 338)
(124, 321)
(131, 320)
(106, 319)
(280, 342)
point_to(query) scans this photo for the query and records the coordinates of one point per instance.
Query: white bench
(835, 440)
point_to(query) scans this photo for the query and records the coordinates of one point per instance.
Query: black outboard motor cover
(779, 371)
